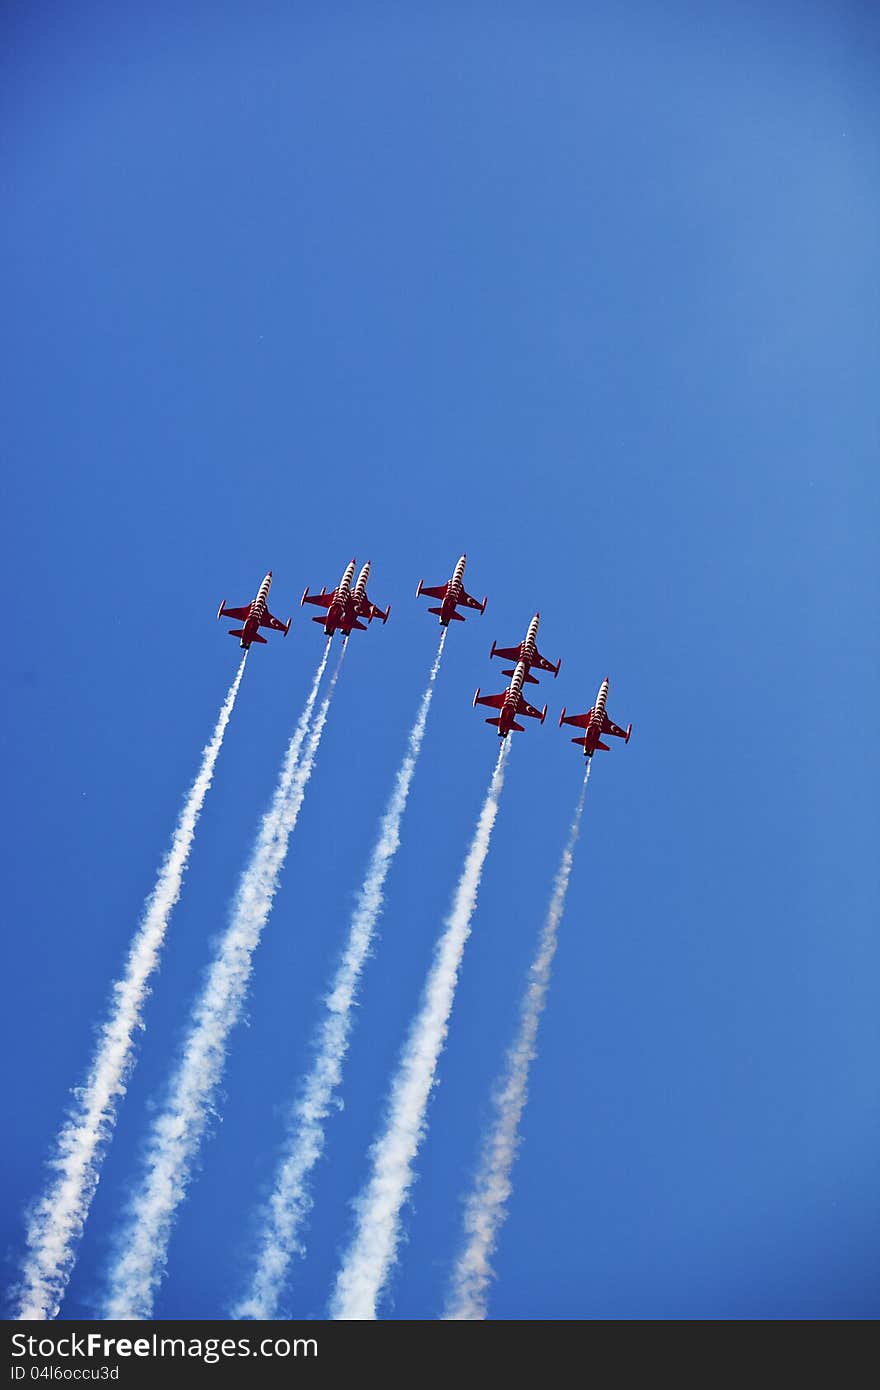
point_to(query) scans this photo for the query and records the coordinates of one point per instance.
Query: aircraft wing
(240, 615)
(543, 664)
(365, 608)
(466, 600)
(268, 620)
(440, 592)
(508, 653)
(496, 701)
(525, 708)
(609, 727)
(374, 611)
(322, 600)
(580, 721)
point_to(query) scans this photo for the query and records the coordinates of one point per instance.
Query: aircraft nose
(269, 575)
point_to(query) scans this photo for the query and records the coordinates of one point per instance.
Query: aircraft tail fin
(532, 680)
(604, 746)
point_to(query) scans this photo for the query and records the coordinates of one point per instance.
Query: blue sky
(590, 292)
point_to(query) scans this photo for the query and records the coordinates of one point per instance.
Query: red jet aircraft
(510, 703)
(596, 723)
(527, 652)
(256, 615)
(346, 605)
(450, 595)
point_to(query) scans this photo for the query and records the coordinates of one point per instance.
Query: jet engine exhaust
(281, 1234)
(486, 1206)
(178, 1129)
(56, 1222)
(371, 1255)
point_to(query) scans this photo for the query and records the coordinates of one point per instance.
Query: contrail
(177, 1132)
(369, 1259)
(291, 1200)
(56, 1223)
(486, 1209)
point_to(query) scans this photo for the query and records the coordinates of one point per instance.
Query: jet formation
(348, 609)
(345, 606)
(511, 702)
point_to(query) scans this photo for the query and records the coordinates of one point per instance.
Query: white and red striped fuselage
(251, 624)
(344, 588)
(360, 588)
(337, 613)
(258, 607)
(530, 644)
(453, 592)
(594, 729)
(507, 713)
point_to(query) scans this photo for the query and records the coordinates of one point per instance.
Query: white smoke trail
(291, 1201)
(373, 1250)
(56, 1223)
(485, 1209)
(177, 1131)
